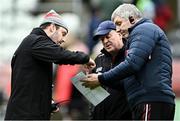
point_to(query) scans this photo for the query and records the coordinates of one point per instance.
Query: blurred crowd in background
(18, 17)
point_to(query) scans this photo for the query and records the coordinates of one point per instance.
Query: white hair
(126, 10)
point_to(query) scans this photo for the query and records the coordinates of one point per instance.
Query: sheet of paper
(95, 96)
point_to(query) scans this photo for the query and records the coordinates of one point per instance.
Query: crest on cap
(52, 13)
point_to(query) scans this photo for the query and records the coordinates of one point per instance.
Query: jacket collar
(105, 52)
(138, 23)
(40, 31)
(120, 53)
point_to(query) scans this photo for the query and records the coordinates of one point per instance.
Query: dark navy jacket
(147, 66)
(115, 106)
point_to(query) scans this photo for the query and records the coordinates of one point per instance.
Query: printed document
(95, 96)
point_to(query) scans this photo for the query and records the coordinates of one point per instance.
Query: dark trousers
(153, 111)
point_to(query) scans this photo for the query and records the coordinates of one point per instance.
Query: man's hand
(91, 81)
(89, 66)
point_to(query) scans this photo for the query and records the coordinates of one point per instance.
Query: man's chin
(109, 50)
(125, 36)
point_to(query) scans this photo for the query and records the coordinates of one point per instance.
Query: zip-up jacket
(31, 81)
(114, 106)
(147, 67)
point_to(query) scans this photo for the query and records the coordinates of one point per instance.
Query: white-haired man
(147, 68)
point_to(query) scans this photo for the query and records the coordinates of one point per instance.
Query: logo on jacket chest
(99, 69)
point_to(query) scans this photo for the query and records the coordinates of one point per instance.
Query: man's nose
(118, 28)
(105, 40)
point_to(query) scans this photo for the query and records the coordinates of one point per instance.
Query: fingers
(90, 81)
(87, 85)
(91, 63)
(87, 68)
(87, 78)
(87, 72)
(90, 66)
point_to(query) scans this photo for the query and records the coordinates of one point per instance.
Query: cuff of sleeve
(101, 79)
(87, 59)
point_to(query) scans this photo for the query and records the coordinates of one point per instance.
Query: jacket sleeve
(46, 50)
(140, 48)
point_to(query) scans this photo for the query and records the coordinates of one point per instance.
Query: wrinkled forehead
(118, 20)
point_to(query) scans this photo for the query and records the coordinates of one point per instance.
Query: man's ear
(131, 20)
(52, 28)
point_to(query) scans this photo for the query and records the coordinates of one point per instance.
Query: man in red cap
(31, 82)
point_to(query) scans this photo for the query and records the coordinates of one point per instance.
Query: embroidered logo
(99, 69)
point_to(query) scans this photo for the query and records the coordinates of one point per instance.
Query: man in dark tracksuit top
(147, 67)
(114, 106)
(31, 84)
